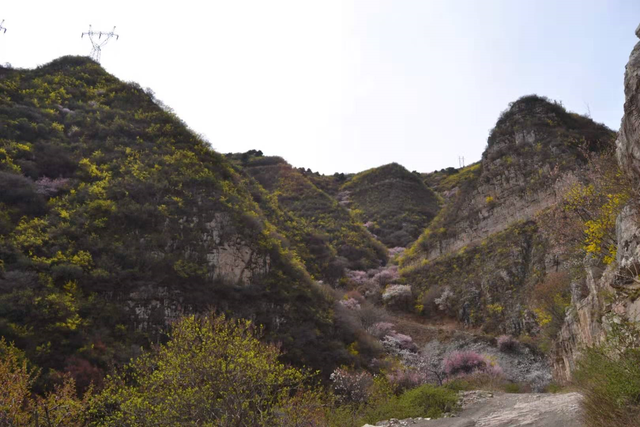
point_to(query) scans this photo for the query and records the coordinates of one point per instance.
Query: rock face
(629, 140)
(230, 258)
(486, 245)
(532, 156)
(612, 294)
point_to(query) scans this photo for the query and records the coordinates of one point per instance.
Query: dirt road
(484, 409)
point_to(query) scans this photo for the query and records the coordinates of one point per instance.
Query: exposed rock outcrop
(231, 258)
(612, 294)
(486, 244)
(533, 155)
(629, 139)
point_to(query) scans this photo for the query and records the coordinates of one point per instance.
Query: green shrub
(610, 383)
(213, 371)
(458, 384)
(423, 401)
(512, 388)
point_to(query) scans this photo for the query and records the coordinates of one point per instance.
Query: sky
(343, 86)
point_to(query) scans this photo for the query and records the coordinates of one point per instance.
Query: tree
(18, 406)
(213, 371)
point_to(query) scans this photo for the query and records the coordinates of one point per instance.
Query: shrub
(386, 276)
(464, 362)
(50, 187)
(396, 343)
(398, 296)
(406, 379)
(20, 407)
(424, 401)
(20, 191)
(212, 370)
(351, 386)
(398, 250)
(507, 344)
(469, 363)
(445, 301)
(512, 388)
(381, 329)
(610, 384)
(350, 303)
(369, 315)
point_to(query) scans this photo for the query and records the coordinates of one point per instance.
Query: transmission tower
(3, 30)
(97, 41)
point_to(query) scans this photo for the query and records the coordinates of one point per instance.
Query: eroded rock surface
(628, 142)
(611, 294)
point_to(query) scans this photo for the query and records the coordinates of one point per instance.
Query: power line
(99, 42)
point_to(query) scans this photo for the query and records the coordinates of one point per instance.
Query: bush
(19, 406)
(351, 386)
(399, 297)
(396, 342)
(212, 370)
(381, 329)
(424, 401)
(507, 344)
(610, 384)
(512, 388)
(406, 379)
(464, 362)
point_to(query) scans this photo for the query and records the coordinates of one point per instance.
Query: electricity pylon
(99, 42)
(3, 30)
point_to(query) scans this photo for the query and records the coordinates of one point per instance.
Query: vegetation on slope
(457, 186)
(547, 115)
(106, 208)
(485, 285)
(395, 203)
(608, 376)
(212, 371)
(535, 141)
(331, 225)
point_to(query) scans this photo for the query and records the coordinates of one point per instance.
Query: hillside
(488, 248)
(135, 258)
(396, 205)
(334, 229)
(116, 219)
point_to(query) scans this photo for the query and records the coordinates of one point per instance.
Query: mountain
(337, 240)
(116, 219)
(395, 203)
(480, 260)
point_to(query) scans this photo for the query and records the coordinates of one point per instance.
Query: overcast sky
(346, 85)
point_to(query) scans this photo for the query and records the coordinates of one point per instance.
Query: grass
(424, 401)
(610, 384)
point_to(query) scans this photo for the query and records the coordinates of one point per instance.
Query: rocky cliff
(532, 152)
(487, 249)
(612, 297)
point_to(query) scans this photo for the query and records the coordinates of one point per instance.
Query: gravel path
(483, 409)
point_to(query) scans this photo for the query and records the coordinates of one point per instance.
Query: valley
(138, 266)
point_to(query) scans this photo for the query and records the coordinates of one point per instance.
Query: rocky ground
(486, 409)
